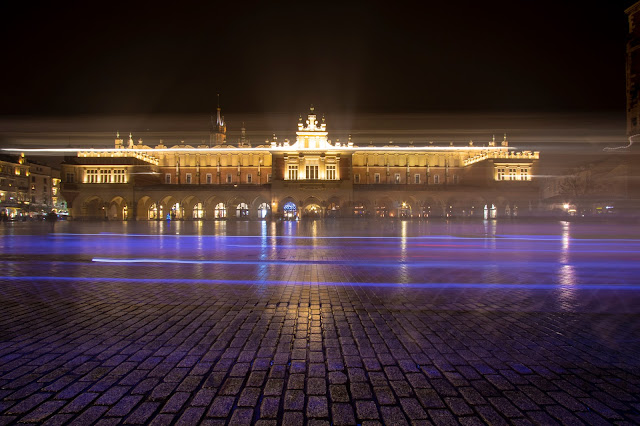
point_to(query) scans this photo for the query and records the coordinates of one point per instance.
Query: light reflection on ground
(116, 320)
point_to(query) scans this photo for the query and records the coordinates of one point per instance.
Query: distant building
(309, 177)
(633, 71)
(14, 186)
(44, 182)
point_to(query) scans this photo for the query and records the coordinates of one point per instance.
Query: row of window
(511, 173)
(209, 178)
(105, 176)
(311, 172)
(397, 178)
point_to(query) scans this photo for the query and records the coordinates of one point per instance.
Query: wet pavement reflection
(389, 321)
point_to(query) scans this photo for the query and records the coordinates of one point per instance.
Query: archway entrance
(263, 210)
(333, 210)
(242, 211)
(313, 210)
(176, 211)
(290, 210)
(490, 212)
(405, 210)
(220, 211)
(198, 211)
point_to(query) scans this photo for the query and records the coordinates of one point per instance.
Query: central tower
(311, 134)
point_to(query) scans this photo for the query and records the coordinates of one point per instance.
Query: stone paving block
(191, 416)
(221, 406)
(143, 413)
(242, 416)
(269, 407)
(294, 400)
(44, 410)
(317, 406)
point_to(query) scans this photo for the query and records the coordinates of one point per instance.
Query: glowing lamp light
(566, 206)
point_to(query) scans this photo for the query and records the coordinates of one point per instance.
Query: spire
(219, 118)
(217, 130)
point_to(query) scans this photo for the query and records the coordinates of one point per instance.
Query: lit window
(331, 172)
(416, 178)
(500, 175)
(397, 178)
(91, 176)
(293, 172)
(312, 172)
(220, 211)
(524, 174)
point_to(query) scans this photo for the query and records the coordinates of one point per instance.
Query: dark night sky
(506, 55)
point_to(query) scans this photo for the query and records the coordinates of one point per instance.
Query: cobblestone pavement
(399, 324)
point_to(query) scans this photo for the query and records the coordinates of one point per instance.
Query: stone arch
(93, 207)
(171, 206)
(384, 207)
(117, 208)
(289, 214)
(313, 207)
(335, 207)
(474, 206)
(363, 208)
(209, 206)
(260, 207)
(142, 208)
(188, 204)
(503, 206)
(432, 207)
(408, 207)
(238, 208)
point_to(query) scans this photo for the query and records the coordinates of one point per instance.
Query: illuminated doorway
(198, 211)
(263, 210)
(290, 210)
(220, 211)
(242, 211)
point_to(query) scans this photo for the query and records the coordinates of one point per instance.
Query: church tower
(217, 129)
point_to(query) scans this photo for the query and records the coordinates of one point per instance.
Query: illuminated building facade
(27, 188)
(310, 177)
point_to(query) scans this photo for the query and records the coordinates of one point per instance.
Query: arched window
(153, 212)
(198, 212)
(263, 210)
(176, 211)
(290, 210)
(220, 211)
(242, 210)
